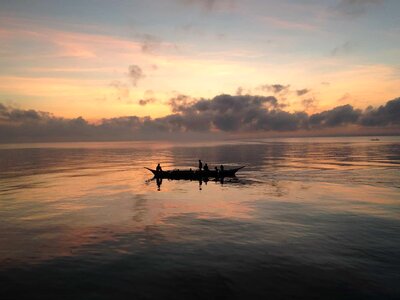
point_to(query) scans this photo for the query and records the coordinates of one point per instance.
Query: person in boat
(206, 169)
(221, 169)
(216, 170)
(158, 169)
(200, 165)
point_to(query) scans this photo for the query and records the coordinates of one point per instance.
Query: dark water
(306, 219)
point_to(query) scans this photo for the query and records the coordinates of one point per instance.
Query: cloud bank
(228, 114)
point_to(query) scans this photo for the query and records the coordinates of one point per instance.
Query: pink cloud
(63, 43)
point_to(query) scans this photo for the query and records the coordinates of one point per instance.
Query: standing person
(158, 169)
(200, 165)
(221, 169)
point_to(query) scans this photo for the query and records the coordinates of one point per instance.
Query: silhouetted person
(200, 165)
(216, 171)
(190, 174)
(221, 169)
(206, 169)
(158, 169)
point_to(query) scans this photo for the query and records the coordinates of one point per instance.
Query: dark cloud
(275, 88)
(340, 115)
(281, 91)
(223, 113)
(144, 102)
(302, 92)
(356, 7)
(180, 102)
(210, 5)
(388, 114)
(135, 73)
(20, 115)
(148, 98)
(43, 126)
(235, 114)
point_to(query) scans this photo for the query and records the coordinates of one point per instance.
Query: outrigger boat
(190, 174)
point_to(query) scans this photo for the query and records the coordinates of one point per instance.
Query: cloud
(309, 103)
(343, 49)
(233, 113)
(30, 125)
(210, 5)
(356, 7)
(135, 73)
(147, 98)
(275, 88)
(144, 102)
(180, 102)
(302, 92)
(388, 114)
(340, 115)
(19, 115)
(150, 43)
(223, 113)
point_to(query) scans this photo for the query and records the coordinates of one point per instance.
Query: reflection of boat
(189, 174)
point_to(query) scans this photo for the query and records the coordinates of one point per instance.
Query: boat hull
(190, 175)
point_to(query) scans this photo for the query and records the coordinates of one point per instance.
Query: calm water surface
(306, 219)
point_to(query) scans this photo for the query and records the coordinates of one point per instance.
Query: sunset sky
(104, 59)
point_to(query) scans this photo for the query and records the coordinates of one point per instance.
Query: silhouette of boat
(189, 174)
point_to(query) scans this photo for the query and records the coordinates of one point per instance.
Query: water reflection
(236, 180)
(323, 207)
(222, 180)
(159, 182)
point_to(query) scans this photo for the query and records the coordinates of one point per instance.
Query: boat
(197, 174)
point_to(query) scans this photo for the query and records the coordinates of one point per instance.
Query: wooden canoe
(189, 174)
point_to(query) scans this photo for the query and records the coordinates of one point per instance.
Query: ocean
(307, 218)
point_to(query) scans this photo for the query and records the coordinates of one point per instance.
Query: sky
(101, 62)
